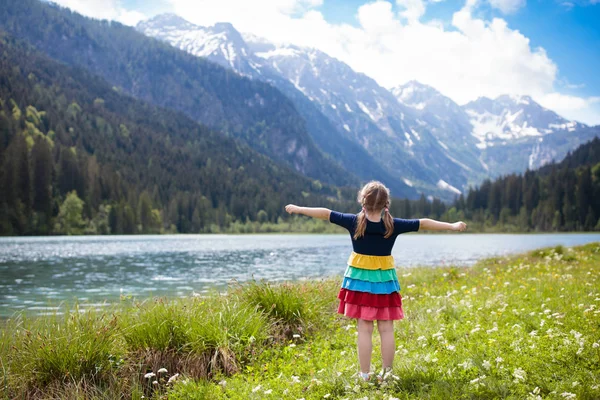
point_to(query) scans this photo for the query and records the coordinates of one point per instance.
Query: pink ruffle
(370, 313)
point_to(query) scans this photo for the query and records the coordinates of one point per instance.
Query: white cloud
(583, 109)
(104, 9)
(507, 6)
(414, 9)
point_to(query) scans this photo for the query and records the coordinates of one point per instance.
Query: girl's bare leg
(388, 346)
(365, 344)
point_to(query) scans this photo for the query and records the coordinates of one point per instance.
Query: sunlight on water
(36, 274)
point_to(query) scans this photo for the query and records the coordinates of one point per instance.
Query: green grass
(522, 327)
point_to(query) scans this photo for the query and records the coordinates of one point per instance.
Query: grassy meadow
(519, 327)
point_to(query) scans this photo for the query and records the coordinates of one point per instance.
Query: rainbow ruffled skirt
(370, 289)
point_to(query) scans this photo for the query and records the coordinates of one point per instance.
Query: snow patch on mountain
(442, 184)
(365, 110)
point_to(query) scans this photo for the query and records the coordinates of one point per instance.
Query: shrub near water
(197, 336)
(292, 307)
(71, 347)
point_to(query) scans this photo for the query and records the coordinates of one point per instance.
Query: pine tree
(584, 194)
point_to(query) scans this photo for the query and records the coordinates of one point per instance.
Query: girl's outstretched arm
(315, 212)
(433, 225)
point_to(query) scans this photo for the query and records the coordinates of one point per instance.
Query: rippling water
(37, 273)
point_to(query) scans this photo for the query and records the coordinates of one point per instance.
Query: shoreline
(296, 233)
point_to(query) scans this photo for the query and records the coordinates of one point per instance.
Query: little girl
(370, 289)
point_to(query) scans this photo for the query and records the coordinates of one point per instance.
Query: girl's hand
(459, 226)
(292, 209)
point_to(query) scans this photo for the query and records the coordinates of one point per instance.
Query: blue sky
(563, 76)
(569, 33)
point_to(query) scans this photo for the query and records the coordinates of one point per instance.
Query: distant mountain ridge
(419, 135)
(361, 111)
(227, 47)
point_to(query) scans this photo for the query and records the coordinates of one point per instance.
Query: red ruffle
(370, 313)
(370, 299)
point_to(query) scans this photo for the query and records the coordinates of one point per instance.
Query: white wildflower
(327, 396)
(421, 338)
(451, 347)
(533, 333)
(150, 375)
(155, 383)
(486, 364)
(162, 371)
(268, 391)
(295, 379)
(595, 345)
(174, 378)
(256, 389)
(519, 374)
(296, 336)
(568, 395)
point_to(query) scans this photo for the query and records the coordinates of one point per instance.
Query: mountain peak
(165, 21)
(225, 27)
(417, 95)
(515, 99)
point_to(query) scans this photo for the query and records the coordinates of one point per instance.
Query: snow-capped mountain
(356, 109)
(513, 117)
(516, 133)
(447, 121)
(412, 135)
(221, 42)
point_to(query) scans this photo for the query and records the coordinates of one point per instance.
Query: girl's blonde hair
(374, 196)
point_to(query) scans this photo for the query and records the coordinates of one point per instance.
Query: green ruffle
(371, 275)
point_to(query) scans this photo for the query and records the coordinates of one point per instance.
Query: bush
(76, 346)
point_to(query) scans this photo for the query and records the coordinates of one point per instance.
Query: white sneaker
(384, 374)
(364, 376)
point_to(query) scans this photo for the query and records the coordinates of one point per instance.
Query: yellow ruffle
(364, 261)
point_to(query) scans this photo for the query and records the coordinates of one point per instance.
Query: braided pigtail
(361, 224)
(388, 221)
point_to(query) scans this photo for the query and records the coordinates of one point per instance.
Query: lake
(36, 273)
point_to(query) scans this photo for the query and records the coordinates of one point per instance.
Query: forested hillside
(157, 73)
(78, 156)
(558, 197)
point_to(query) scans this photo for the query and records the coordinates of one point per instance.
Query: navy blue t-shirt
(373, 242)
